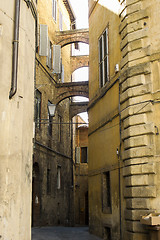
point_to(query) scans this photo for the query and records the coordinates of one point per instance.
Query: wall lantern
(51, 109)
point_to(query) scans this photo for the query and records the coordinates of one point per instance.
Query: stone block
(140, 192)
(144, 68)
(135, 120)
(134, 36)
(136, 180)
(135, 226)
(135, 214)
(149, 168)
(132, 28)
(144, 168)
(136, 161)
(131, 170)
(139, 141)
(135, 91)
(138, 130)
(130, 9)
(138, 203)
(131, 46)
(138, 152)
(133, 82)
(134, 55)
(135, 236)
(138, 109)
(134, 18)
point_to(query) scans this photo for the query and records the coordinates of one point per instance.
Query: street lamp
(51, 109)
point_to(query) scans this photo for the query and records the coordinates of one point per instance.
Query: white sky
(80, 8)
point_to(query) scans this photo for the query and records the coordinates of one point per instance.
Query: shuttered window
(49, 56)
(62, 74)
(103, 59)
(57, 58)
(38, 108)
(77, 154)
(43, 48)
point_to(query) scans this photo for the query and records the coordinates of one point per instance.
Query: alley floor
(60, 233)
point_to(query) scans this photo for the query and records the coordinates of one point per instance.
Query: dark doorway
(86, 209)
(35, 195)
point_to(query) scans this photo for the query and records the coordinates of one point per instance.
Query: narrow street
(62, 233)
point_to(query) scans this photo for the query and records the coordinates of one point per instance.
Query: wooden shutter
(57, 58)
(49, 56)
(62, 74)
(43, 48)
(77, 154)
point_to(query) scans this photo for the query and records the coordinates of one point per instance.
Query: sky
(80, 8)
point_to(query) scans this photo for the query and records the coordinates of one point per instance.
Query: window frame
(50, 119)
(103, 50)
(38, 105)
(60, 21)
(48, 181)
(58, 177)
(106, 193)
(54, 10)
(86, 153)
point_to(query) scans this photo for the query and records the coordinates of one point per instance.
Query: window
(54, 10)
(58, 177)
(49, 122)
(106, 192)
(84, 158)
(103, 59)
(60, 21)
(48, 181)
(59, 128)
(49, 56)
(38, 108)
(43, 41)
(107, 233)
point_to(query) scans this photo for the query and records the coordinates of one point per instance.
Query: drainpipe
(15, 50)
(119, 159)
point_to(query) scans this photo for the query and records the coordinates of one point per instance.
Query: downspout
(119, 167)
(15, 50)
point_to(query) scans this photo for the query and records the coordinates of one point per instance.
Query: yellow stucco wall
(16, 116)
(103, 120)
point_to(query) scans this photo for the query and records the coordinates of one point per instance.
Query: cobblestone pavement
(60, 233)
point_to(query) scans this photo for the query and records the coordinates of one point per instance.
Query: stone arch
(79, 62)
(72, 36)
(68, 94)
(71, 40)
(77, 107)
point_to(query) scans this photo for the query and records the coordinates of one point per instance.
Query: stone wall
(139, 84)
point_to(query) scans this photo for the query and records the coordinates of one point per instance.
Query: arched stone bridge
(78, 62)
(70, 89)
(72, 36)
(77, 107)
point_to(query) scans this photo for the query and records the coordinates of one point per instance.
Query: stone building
(52, 162)
(17, 49)
(80, 159)
(124, 116)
